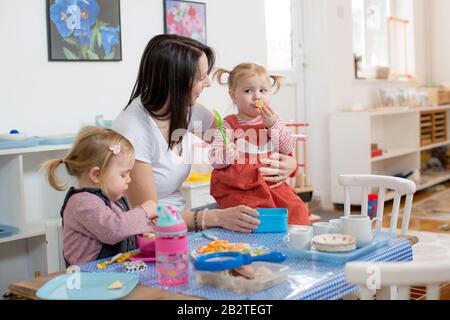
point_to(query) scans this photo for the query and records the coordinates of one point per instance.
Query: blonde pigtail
(277, 80)
(218, 74)
(49, 167)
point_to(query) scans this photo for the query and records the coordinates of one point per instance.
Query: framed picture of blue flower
(185, 18)
(84, 30)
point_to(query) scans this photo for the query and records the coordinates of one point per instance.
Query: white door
(285, 55)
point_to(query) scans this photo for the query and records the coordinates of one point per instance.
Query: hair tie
(115, 148)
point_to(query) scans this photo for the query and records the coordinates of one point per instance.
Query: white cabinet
(27, 202)
(396, 130)
(196, 194)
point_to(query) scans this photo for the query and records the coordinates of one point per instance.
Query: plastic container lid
(170, 222)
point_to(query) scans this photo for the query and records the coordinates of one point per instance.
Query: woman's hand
(240, 219)
(281, 167)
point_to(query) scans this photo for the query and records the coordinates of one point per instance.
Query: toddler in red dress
(254, 133)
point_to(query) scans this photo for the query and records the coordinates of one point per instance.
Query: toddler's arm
(110, 226)
(150, 209)
(221, 155)
(281, 138)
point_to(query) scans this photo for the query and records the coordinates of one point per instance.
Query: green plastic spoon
(219, 125)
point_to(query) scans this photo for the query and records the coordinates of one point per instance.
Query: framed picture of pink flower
(185, 18)
(84, 30)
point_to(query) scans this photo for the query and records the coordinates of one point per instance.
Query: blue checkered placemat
(307, 280)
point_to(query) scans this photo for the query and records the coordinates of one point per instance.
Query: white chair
(54, 246)
(392, 280)
(400, 187)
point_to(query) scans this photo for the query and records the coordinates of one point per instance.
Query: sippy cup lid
(170, 222)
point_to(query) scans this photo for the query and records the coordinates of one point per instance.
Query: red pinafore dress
(242, 184)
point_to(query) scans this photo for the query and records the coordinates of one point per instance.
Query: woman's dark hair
(167, 73)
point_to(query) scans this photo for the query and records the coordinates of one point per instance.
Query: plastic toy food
(259, 103)
(116, 285)
(134, 266)
(119, 258)
(149, 235)
(226, 246)
(249, 272)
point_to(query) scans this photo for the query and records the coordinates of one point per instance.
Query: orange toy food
(226, 246)
(149, 235)
(259, 103)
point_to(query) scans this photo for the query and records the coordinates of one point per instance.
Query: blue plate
(12, 144)
(7, 231)
(381, 239)
(87, 286)
(56, 140)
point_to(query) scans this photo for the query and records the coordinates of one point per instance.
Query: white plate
(334, 242)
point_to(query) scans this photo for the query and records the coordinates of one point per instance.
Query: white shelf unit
(396, 130)
(27, 202)
(197, 194)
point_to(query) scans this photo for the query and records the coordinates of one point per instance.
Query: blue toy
(221, 261)
(273, 220)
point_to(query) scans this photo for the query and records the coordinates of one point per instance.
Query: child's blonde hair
(245, 70)
(93, 147)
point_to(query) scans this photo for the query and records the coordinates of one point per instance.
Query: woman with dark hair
(162, 109)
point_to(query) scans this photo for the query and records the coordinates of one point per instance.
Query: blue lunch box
(273, 220)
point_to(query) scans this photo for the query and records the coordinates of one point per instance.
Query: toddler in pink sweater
(97, 220)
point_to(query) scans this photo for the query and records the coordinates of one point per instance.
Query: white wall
(236, 31)
(40, 97)
(440, 28)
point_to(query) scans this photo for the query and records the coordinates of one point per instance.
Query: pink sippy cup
(171, 245)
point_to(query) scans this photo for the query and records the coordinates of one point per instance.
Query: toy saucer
(334, 243)
(143, 257)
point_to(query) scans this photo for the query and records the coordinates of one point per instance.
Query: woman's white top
(170, 169)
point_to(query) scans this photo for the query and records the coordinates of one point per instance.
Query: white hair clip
(115, 148)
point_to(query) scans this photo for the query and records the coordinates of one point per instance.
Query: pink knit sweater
(88, 223)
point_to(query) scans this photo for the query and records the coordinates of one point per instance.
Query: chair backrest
(392, 280)
(54, 246)
(399, 186)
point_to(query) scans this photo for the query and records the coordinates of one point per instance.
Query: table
(307, 280)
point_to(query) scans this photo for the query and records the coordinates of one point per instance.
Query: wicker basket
(439, 95)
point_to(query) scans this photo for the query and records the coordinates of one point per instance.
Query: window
(383, 42)
(370, 36)
(279, 34)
